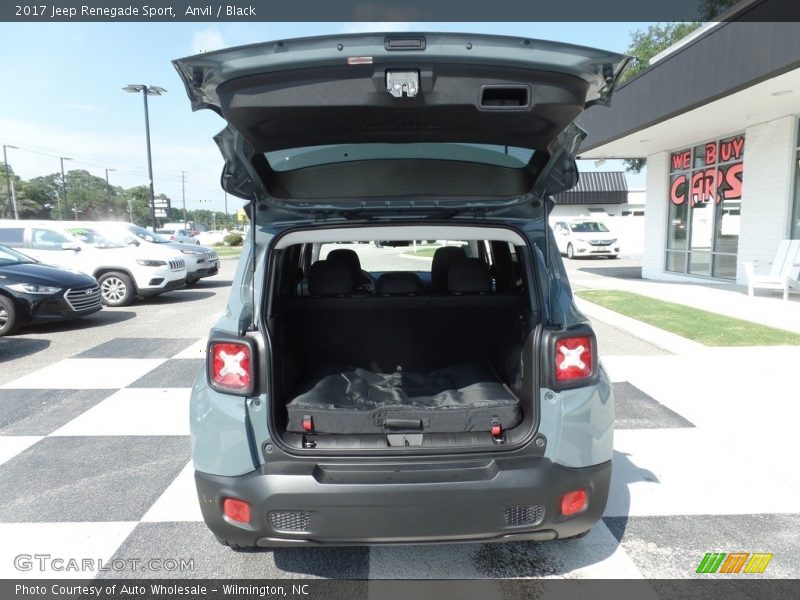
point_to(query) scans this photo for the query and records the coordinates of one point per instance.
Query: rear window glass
(12, 237)
(298, 158)
(588, 227)
(93, 237)
(383, 255)
(47, 239)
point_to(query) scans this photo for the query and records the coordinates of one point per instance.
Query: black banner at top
(397, 10)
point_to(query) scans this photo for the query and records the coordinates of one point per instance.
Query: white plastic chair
(784, 273)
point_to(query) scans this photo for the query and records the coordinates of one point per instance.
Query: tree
(44, 193)
(711, 9)
(643, 46)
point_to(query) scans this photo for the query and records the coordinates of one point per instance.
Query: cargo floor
(341, 399)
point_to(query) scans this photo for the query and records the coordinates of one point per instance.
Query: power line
(98, 163)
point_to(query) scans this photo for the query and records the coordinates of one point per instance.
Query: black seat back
(329, 278)
(398, 283)
(440, 267)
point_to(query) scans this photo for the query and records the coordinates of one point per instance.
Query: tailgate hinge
(402, 83)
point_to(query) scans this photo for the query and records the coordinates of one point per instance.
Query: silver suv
(446, 392)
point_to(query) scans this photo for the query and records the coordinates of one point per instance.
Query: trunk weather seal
(389, 452)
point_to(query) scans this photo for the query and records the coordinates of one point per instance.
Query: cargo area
(382, 358)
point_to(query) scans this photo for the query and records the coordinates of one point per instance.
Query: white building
(716, 117)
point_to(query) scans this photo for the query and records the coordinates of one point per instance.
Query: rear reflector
(574, 502)
(231, 367)
(308, 423)
(573, 358)
(236, 510)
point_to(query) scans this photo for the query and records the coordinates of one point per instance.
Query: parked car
(209, 238)
(183, 236)
(200, 261)
(32, 292)
(189, 226)
(123, 272)
(462, 403)
(585, 237)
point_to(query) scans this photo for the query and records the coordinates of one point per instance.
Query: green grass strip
(701, 326)
(427, 251)
(228, 250)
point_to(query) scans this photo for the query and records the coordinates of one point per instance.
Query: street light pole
(11, 194)
(148, 91)
(64, 189)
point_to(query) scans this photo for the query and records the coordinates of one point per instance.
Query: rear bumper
(204, 270)
(352, 504)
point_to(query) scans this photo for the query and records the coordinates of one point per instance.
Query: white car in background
(585, 237)
(209, 238)
(123, 272)
(200, 261)
(183, 236)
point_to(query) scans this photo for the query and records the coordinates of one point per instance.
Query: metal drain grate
(516, 516)
(290, 520)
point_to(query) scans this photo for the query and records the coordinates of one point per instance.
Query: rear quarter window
(13, 237)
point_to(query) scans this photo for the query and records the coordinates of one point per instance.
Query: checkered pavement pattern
(95, 463)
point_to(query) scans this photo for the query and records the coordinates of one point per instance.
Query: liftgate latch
(402, 83)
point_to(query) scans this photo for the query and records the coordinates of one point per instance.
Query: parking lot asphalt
(95, 460)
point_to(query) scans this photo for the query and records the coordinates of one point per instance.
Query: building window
(795, 231)
(705, 195)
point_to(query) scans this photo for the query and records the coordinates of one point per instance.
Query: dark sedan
(31, 292)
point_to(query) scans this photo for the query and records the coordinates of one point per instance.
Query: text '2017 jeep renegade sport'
(453, 398)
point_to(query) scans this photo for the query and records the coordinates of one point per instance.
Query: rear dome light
(574, 502)
(231, 367)
(236, 510)
(573, 359)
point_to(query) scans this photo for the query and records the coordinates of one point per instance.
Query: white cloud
(206, 41)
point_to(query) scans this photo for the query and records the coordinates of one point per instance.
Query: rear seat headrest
(350, 258)
(398, 283)
(442, 259)
(468, 276)
(326, 278)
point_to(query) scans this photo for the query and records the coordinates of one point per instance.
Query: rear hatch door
(377, 124)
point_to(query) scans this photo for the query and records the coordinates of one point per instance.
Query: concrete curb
(665, 340)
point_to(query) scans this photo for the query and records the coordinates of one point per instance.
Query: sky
(62, 95)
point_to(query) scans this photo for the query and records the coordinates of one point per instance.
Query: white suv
(201, 261)
(585, 237)
(123, 272)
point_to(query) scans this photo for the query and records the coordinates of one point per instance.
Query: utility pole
(226, 207)
(14, 201)
(108, 185)
(11, 196)
(64, 189)
(183, 193)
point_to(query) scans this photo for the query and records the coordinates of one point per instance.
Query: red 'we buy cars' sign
(715, 174)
